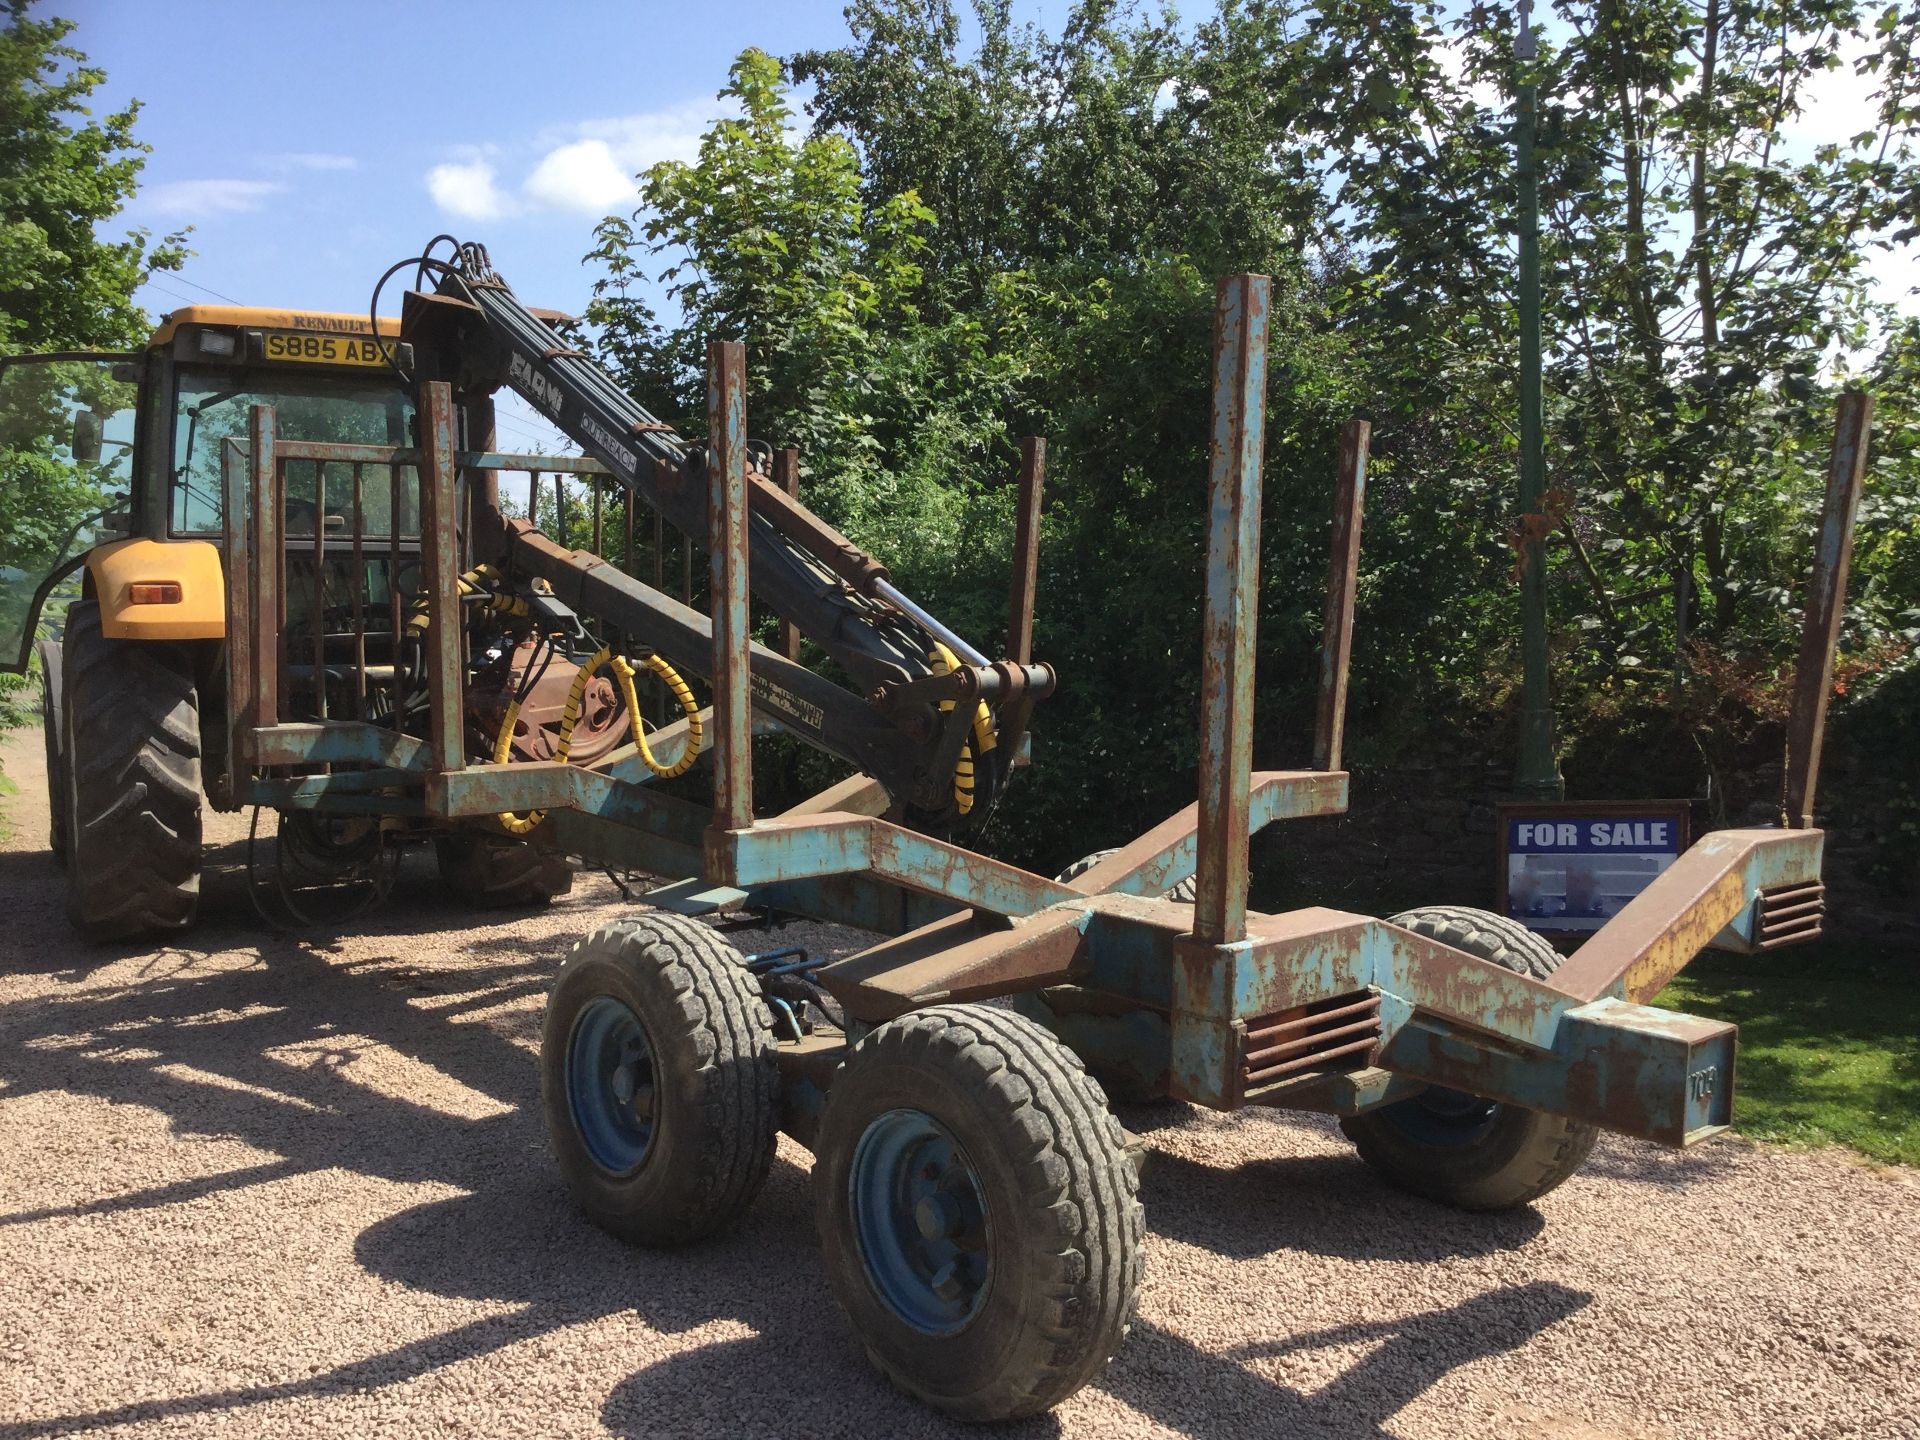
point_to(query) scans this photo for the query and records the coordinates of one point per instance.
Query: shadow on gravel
(1183, 1387)
(1322, 1205)
(253, 1052)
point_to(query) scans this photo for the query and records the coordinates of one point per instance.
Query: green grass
(7, 788)
(1829, 1043)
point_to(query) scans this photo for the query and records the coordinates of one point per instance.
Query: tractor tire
(658, 1079)
(494, 872)
(52, 733)
(1460, 1149)
(978, 1212)
(131, 743)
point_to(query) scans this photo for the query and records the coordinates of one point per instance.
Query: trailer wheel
(52, 727)
(493, 872)
(131, 754)
(658, 1079)
(980, 1219)
(1457, 1148)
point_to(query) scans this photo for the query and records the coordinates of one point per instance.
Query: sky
(310, 145)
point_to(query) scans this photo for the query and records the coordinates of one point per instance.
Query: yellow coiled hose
(623, 673)
(983, 739)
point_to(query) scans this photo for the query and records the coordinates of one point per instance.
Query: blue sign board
(1568, 869)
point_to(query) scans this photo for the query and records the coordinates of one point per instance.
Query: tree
(63, 174)
(1085, 189)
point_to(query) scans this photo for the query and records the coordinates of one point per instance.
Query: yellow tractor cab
(122, 456)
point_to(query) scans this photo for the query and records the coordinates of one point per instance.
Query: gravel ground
(294, 1185)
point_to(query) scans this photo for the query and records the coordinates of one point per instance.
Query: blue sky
(310, 145)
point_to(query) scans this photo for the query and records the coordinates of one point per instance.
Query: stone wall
(1425, 833)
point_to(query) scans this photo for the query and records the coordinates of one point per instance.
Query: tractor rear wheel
(658, 1077)
(132, 760)
(1461, 1149)
(51, 727)
(978, 1211)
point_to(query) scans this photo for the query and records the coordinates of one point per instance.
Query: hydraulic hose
(977, 744)
(623, 672)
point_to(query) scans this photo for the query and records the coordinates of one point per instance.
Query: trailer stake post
(1237, 440)
(1826, 606)
(1343, 570)
(786, 474)
(1026, 550)
(265, 560)
(727, 544)
(440, 540)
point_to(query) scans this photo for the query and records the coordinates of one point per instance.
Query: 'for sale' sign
(1568, 869)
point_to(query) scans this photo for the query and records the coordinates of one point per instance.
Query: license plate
(282, 347)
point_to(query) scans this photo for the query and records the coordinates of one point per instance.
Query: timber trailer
(316, 605)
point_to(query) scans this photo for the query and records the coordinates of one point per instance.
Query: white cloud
(468, 191)
(588, 167)
(313, 160)
(201, 198)
(581, 176)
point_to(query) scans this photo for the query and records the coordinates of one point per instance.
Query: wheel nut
(946, 1281)
(937, 1216)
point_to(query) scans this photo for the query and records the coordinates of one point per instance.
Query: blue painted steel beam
(798, 848)
(1166, 854)
(1625, 1067)
(1714, 886)
(337, 742)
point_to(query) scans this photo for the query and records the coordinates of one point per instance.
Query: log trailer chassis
(977, 1202)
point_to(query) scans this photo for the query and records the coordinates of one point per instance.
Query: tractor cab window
(214, 406)
(66, 462)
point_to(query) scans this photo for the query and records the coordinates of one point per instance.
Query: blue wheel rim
(920, 1219)
(1442, 1118)
(610, 1085)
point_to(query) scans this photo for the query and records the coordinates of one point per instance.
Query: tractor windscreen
(212, 406)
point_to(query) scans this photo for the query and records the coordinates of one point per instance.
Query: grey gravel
(292, 1185)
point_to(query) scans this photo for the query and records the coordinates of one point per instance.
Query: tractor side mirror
(86, 437)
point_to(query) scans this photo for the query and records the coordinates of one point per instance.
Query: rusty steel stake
(1026, 550)
(440, 564)
(1343, 570)
(1826, 607)
(786, 475)
(1235, 451)
(727, 545)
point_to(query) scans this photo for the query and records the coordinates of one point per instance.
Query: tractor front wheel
(131, 759)
(1461, 1149)
(980, 1219)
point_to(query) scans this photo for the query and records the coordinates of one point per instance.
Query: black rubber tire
(132, 754)
(53, 733)
(496, 872)
(716, 1084)
(1184, 892)
(1061, 1194)
(1521, 1154)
